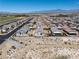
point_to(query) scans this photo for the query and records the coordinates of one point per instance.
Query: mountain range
(58, 11)
(45, 11)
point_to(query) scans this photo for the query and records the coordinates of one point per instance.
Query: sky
(22, 6)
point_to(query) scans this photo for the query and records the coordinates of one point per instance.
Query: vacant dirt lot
(40, 48)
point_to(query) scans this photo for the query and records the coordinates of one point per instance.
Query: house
(21, 32)
(56, 32)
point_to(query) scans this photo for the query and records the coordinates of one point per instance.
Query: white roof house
(21, 32)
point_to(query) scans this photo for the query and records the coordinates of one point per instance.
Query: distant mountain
(10, 13)
(58, 11)
(45, 11)
(6, 13)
